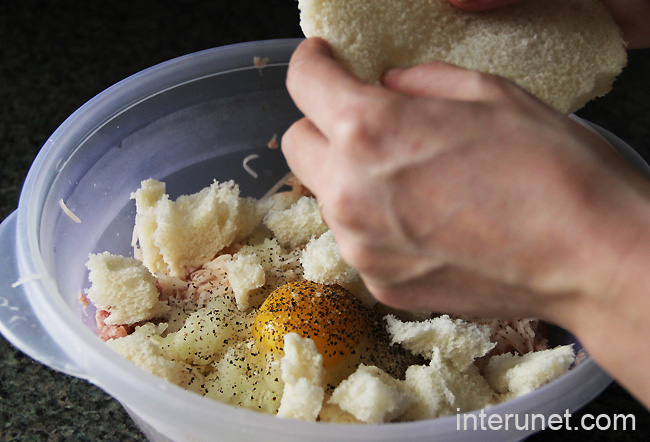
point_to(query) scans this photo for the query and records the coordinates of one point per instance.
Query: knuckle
(297, 71)
(344, 205)
(352, 130)
(362, 124)
(358, 256)
(289, 136)
(385, 295)
(293, 135)
(489, 85)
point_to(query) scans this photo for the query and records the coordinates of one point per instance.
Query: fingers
(446, 82)
(481, 5)
(306, 151)
(458, 290)
(318, 84)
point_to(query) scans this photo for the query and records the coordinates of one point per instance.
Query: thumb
(444, 81)
(481, 5)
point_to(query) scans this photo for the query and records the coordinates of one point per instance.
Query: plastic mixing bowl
(187, 122)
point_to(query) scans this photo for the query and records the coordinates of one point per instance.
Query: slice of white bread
(565, 52)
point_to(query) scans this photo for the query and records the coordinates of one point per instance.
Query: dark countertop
(55, 55)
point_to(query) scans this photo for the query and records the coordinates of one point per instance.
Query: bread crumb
(142, 351)
(565, 54)
(259, 62)
(333, 413)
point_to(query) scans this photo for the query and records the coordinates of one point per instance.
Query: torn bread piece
(439, 389)
(459, 341)
(302, 373)
(371, 395)
(297, 224)
(279, 265)
(125, 288)
(516, 375)
(177, 236)
(245, 274)
(333, 413)
(322, 262)
(565, 52)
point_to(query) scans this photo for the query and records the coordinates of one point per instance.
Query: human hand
(481, 5)
(632, 16)
(455, 191)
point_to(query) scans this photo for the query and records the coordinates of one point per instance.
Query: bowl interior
(186, 136)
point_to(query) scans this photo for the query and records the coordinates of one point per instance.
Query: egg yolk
(327, 314)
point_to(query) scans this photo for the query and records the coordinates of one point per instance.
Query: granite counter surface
(55, 55)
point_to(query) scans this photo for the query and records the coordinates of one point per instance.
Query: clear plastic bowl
(187, 121)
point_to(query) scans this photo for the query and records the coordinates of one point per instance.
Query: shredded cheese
(247, 167)
(25, 279)
(277, 186)
(69, 212)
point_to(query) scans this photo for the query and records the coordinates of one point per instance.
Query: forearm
(616, 336)
(611, 316)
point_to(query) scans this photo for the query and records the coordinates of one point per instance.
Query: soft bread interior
(565, 52)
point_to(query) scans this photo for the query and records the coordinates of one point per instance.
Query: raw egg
(329, 315)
